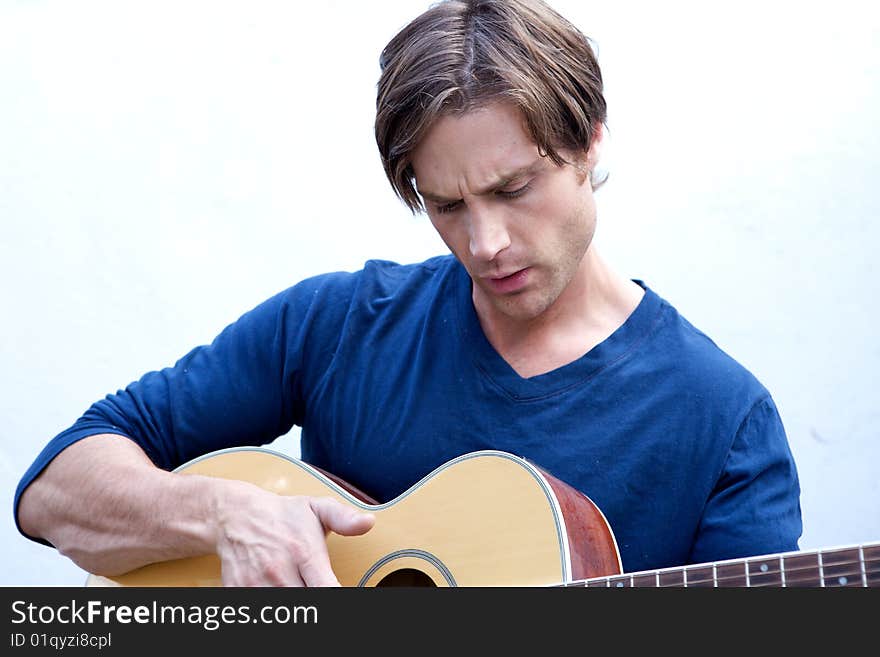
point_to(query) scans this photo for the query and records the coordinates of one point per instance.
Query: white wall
(165, 166)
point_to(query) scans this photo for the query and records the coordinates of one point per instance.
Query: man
(489, 118)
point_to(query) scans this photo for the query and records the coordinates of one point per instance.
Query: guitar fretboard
(856, 566)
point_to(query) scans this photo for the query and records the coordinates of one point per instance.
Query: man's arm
(755, 507)
(102, 503)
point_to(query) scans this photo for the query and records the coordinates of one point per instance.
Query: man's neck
(594, 304)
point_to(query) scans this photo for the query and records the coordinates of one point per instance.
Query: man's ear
(586, 161)
(595, 150)
(598, 174)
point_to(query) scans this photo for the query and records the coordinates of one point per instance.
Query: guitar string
(793, 574)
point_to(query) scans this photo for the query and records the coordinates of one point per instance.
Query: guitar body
(483, 519)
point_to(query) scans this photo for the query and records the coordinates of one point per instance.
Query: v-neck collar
(623, 341)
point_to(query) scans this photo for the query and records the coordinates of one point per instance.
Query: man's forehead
(489, 182)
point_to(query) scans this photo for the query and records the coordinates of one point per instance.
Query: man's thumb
(341, 518)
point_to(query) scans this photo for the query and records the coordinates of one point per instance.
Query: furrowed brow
(502, 181)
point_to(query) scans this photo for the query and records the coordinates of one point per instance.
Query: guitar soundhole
(406, 577)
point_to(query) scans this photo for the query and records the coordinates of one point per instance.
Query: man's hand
(264, 539)
(127, 513)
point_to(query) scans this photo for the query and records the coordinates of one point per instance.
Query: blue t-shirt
(389, 374)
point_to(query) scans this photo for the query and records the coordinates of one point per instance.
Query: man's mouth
(508, 283)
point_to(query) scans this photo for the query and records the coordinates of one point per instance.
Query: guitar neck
(854, 566)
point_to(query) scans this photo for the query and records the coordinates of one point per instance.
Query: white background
(165, 166)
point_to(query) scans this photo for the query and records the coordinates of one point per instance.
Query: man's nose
(488, 233)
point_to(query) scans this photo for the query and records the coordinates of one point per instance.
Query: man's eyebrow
(502, 180)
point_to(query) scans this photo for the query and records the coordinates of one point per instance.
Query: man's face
(518, 223)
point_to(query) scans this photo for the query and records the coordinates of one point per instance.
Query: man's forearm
(102, 503)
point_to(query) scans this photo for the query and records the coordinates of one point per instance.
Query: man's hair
(461, 55)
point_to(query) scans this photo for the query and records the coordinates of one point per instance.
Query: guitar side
(483, 519)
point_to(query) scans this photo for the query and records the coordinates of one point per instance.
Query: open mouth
(507, 284)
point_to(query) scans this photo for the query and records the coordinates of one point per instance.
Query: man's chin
(520, 307)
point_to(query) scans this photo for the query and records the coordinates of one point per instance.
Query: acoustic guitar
(487, 518)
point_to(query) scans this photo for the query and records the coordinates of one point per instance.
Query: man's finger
(341, 518)
(318, 571)
(233, 574)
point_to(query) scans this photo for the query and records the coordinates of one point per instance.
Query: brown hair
(463, 54)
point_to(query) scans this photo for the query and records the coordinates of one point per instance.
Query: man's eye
(513, 193)
(448, 207)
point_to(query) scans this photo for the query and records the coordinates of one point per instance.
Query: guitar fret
(700, 576)
(623, 581)
(871, 564)
(862, 566)
(841, 567)
(857, 566)
(801, 570)
(763, 573)
(872, 552)
(670, 578)
(731, 574)
(645, 579)
(602, 582)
